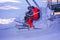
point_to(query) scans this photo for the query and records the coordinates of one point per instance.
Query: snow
(50, 29)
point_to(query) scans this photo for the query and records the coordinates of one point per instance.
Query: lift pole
(36, 3)
(28, 2)
(57, 1)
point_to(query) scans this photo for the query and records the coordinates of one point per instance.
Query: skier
(31, 15)
(28, 17)
(36, 12)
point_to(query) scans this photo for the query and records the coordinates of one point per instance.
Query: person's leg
(30, 22)
(25, 19)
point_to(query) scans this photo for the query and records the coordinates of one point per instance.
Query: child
(28, 17)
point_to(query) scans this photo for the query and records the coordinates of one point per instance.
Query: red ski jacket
(35, 15)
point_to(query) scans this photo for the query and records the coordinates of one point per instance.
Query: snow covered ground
(50, 30)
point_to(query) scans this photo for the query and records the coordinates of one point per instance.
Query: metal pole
(49, 3)
(36, 3)
(57, 1)
(28, 2)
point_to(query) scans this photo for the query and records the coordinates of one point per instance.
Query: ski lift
(33, 7)
(55, 6)
(23, 24)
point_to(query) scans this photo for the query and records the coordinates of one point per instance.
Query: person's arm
(30, 13)
(37, 12)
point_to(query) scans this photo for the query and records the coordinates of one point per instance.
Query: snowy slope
(49, 31)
